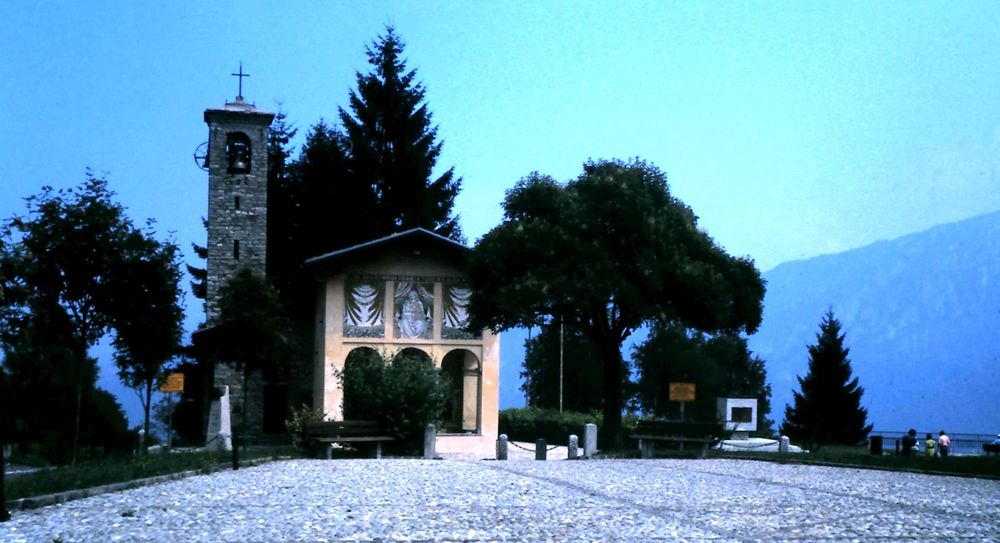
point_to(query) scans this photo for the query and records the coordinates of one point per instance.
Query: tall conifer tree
(392, 147)
(828, 408)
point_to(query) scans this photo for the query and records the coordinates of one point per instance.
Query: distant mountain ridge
(921, 315)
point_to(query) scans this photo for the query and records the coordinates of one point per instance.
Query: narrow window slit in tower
(236, 249)
(237, 203)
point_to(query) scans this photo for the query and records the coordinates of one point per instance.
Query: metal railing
(961, 444)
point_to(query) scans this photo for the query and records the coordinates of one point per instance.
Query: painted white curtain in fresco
(456, 312)
(364, 310)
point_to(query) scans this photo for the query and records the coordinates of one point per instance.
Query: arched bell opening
(462, 372)
(238, 152)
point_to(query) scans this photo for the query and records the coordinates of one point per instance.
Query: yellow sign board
(174, 383)
(682, 392)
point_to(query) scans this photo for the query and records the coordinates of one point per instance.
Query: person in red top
(944, 444)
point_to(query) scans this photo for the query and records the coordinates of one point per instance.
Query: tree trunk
(243, 425)
(76, 423)
(147, 401)
(611, 433)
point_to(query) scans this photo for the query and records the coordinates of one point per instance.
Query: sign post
(174, 384)
(682, 392)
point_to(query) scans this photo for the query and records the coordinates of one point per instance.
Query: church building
(405, 293)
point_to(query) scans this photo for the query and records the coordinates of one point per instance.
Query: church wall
(426, 268)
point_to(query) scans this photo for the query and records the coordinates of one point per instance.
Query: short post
(142, 441)
(430, 438)
(573, 449)
(170, 423)
(540, 449)
(502, 447)
(589, 440)
(4, 514)
(783, 444)
(236, 454)
(645, 449)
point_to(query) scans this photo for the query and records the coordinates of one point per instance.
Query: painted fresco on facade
(414, 308)
(364, 309)
(456, 313)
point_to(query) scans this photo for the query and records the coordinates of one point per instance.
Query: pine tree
(828, 408)
(392, 147)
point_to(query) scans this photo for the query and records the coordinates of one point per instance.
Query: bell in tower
(238, 152)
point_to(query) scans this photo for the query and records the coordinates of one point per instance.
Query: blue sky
(792, 129)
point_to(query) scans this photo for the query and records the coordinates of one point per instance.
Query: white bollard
(589, 440)
(430, 440)
(573, 449)
(502, 447)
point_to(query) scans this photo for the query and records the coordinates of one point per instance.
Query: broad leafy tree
(59, 264)
(147, 313)
(59, 255)
(252, 332)
(719, 366)
(828, 409)
(607, 252)
(41, 360)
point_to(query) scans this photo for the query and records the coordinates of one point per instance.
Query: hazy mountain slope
(921, 316)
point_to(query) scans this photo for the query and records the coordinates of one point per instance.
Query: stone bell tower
(236, 161)
(237, 193)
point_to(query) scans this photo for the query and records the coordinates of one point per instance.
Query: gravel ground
(476, 500)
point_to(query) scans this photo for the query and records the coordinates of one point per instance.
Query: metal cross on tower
(240, 75)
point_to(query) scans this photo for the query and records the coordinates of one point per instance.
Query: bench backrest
(675, 428)
(343, 428)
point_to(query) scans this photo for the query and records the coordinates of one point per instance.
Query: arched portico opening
(361, 368)
(463, 373)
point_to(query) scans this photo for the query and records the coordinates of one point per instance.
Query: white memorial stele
(220, 429)
(739, 415)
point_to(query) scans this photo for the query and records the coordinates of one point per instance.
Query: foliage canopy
(582, 375)
(73, 269)
(719, 366)
(607, 252)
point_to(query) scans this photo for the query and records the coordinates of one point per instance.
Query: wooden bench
(329, 432)
(648, 432)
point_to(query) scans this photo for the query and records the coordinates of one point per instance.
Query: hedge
(531, 423)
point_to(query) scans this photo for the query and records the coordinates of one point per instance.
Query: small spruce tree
(828, 408)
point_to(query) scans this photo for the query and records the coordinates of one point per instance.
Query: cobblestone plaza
(482, 500)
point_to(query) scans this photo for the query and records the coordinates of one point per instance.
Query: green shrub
(532, 423)
(404, 395)
(296, 422)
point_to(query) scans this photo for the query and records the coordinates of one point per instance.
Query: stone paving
(476, 500)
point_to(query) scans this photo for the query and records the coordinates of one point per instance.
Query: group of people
(940, 447)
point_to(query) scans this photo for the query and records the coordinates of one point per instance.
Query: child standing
(944, 444)
(929, 445)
